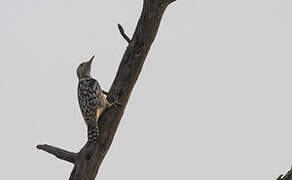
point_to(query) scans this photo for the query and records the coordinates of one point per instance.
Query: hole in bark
(88, 156)
(138, 53)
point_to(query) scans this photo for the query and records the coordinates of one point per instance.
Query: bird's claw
(104, 92)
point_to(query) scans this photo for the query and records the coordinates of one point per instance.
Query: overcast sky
(213, 100)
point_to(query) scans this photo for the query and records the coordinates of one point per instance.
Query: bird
(92, 100)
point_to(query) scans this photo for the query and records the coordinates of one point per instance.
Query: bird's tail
(92, 133)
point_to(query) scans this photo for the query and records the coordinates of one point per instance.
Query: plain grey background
(213, 100)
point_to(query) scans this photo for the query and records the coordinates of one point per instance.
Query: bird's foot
(104, 92)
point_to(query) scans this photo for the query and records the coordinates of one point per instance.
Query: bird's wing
(88, 90)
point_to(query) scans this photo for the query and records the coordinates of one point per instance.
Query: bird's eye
(81, 64)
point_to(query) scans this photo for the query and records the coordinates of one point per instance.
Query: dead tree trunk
(88, 160)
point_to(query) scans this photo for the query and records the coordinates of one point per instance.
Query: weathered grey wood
(89, 159)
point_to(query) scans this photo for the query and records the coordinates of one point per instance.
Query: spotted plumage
(89, 97)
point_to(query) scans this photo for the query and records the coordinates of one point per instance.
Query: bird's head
(83, 70)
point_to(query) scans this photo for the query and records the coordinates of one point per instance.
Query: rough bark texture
(88, 160)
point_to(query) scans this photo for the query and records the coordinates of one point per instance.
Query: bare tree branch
(89, 159)
(122, 31)
(59, 153)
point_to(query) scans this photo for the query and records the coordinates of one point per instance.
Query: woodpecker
(91, 99)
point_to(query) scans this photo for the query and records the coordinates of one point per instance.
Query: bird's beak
(90, 61)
